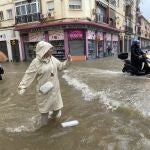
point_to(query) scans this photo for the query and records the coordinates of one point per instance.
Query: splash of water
(89, 94)
(30, 126)
(18, 129)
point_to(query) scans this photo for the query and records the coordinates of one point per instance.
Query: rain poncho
(41, 70)
(135, 60)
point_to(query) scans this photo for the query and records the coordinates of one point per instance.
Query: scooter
(129, 68)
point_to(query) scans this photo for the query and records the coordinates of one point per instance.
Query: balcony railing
(139, 30)
(113, 2)
(128, 2)
(129, 16)
(28, 18)
(112, 23)
(101, 18)
(128, 29)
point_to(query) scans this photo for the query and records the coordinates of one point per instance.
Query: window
(9, 14)
(50, 5)
(27, 12)
(74, 4)
(24, 8)
(1, 15)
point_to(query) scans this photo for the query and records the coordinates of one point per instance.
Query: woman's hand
(69, 57)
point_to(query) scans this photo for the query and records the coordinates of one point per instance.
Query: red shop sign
(76, 34)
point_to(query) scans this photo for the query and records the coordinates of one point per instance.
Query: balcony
(112, 22)
(113, 2)
(28, 18)
(101, 18)
(139, 31)
(129, 2)
(129, 16)
(128, 29)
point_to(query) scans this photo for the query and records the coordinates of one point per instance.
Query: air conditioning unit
(50, 14)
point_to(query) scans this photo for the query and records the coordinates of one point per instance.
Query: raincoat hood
(42, 48)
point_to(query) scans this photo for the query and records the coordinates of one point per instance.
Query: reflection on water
(112, 108)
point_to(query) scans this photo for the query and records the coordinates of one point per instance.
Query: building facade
(144, 32)
(8, 36)
(85, 29)
(126, 18)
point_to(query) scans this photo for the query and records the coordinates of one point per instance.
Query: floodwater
(112, 108)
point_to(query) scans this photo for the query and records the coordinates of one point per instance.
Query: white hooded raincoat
(41, 69)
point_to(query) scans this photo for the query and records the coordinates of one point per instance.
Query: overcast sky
(145, 9)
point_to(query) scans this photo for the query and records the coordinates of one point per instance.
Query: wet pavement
(112, 108)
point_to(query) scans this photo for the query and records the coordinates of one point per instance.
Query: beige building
(144, 31)
(7, 33)
(126, 18)
(84, 28)
(87, 29)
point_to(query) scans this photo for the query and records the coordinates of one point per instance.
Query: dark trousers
(0, 77)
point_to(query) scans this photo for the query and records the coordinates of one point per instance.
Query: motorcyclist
(137, 56)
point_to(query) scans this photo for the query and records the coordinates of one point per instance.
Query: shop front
(108, 48)
(115, 44)
(30, 41)
(56, 38)
(76, 44)
(82, 40)
(100, 41)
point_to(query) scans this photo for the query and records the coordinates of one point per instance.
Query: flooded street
(112, 108)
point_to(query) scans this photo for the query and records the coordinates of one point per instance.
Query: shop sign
(108, 37)
(56, 35)
(35, 37)
(115, 37)
(75, 34)
(91, 35)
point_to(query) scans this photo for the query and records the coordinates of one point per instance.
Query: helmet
(135, 42)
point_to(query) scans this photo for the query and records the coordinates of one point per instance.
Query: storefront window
(29, 50)
(59, 51)
(108, 48)
(115, 48)
(92, 49)
(101, 48)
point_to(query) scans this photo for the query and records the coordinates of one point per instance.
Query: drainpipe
(108, 10)
(40, 1)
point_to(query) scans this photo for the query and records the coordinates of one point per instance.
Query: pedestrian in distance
(109, 49)
(44, 69)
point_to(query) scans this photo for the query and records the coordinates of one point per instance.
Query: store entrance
(76, 47)
(29, 50)
(3, 47)
(15, 50)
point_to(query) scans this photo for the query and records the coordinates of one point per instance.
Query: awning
(56, 24)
